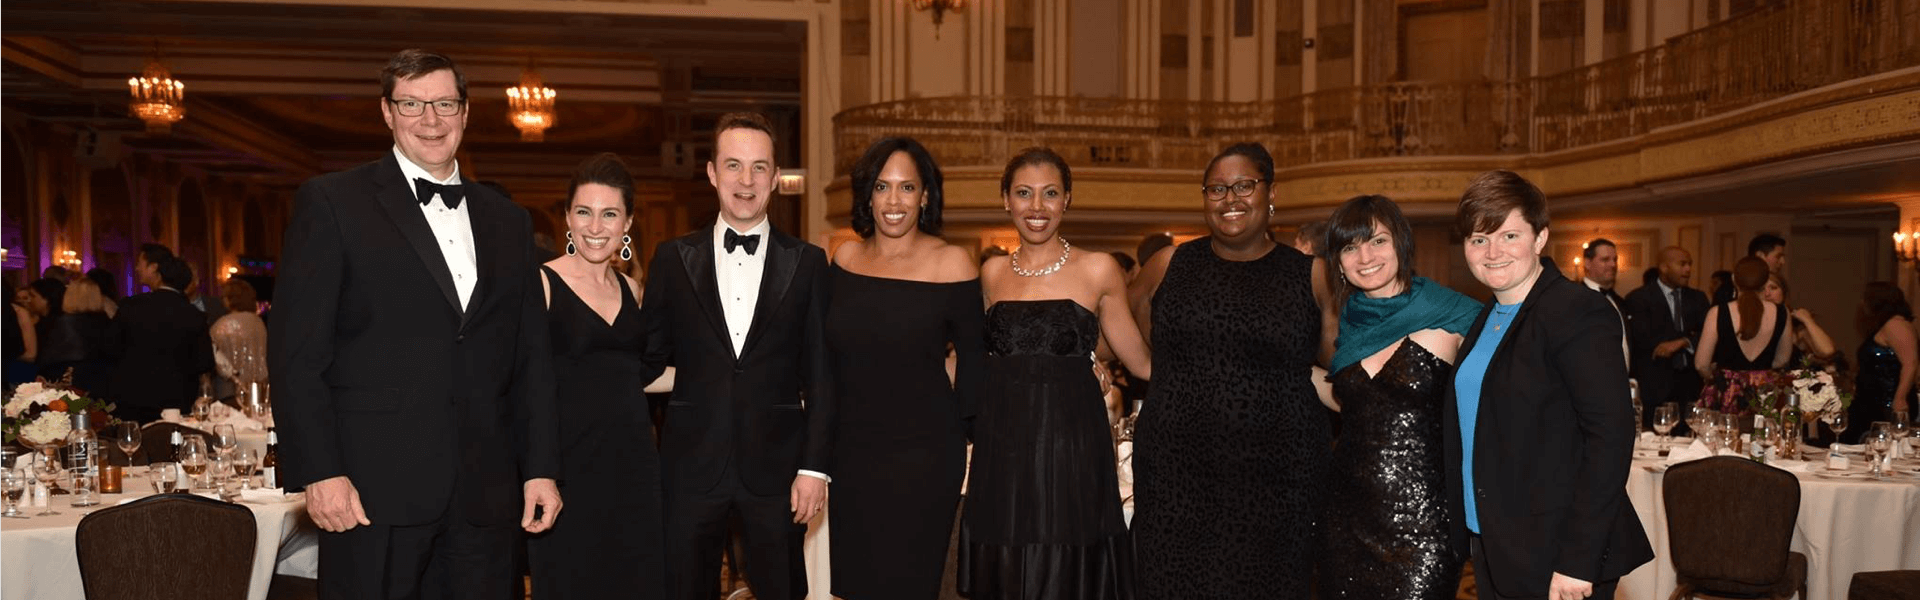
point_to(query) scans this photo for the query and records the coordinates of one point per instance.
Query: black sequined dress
(1043, 517)
(1873, 389)
(1386, 515)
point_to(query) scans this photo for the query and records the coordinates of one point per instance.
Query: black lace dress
(900, 446)
(1043, 517)
(1231, 446)
(1386, 517)
(610, 540)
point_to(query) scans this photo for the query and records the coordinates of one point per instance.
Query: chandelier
(157, 97)
(530, 106)
(940, 8)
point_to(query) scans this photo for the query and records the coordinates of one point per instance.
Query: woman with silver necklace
(1043, 516)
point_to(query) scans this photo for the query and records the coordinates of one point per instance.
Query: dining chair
(167, 547)
(1729, 529)
(1884, 585)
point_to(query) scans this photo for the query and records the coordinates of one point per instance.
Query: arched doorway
(113, 241)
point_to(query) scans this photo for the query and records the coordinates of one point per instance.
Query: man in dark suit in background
(1601, 263)
(1664, 322)
(1770, 248)
(739, 308)
(161, 342)
(410, 361)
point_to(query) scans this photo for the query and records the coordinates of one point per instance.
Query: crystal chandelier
(530, 106)
(157, 97)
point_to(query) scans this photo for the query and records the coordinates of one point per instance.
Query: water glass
(193, 459)
(46, 468)
(243, 464)
(13, 484)
(1664, 418)
(164, 476)
(1836, 421)
(127, 436)
(1902, 431)
(1879, 441)
(225, 439)
(1765, 435)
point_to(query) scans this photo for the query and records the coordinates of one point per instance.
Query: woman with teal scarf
(1386, 511)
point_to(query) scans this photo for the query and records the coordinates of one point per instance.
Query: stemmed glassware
(1700, 417)
(225, 439)
(243, 463)
(165, 477)
(1765, 431)
(13, 483)
(1901, 429)
(1879, 441)
(47, 469)
(193, 459)
(127, 436)
(1664, 420)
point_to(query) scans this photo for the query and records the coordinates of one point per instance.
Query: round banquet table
(41, 564)
(1845, 526)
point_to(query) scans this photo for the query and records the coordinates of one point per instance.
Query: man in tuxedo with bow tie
(738, 308)
(410, 369)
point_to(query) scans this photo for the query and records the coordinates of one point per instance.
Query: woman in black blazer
(1539, 421)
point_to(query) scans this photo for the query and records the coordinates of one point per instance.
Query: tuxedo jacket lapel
(697, 256)
(395, 197)
(783, 256)
(485, 215)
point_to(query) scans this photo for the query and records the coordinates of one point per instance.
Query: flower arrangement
(40, 412)
(1818, 393)
(1746, 392)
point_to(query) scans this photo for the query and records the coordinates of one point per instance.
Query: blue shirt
(1466, 390)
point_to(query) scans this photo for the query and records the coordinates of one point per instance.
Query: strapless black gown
(1873, 389)
(1386, 512)
(1043, 517)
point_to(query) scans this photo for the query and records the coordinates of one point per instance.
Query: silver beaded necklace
(1066, 250)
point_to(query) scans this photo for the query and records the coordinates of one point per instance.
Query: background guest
(1720, 288)
(901, 296)
(1888, 358)
(146, 265)
(1601, 266)
(162, 345)
(1811, 343)
(76, 338)
(240, 337)
(1664, 323)
(1748, 334)
(1232, 442)
(1770, 248)
(109, 288)
(22, 342)
(1540, 422)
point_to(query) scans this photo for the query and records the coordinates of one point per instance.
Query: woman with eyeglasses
(1232, 442)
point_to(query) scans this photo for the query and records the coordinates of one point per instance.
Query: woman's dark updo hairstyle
(1252, 151)
(1036, 156)
(606, 169)
(867, 171)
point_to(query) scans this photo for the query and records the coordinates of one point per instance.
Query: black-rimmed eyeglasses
(415, 108)
(1242, 188)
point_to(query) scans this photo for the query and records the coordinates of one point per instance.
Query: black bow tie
(752, 242)
(450, 194)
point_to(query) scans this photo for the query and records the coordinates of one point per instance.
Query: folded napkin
(170, 415)
(264, 495)
(1850, 448)
(1695, 451)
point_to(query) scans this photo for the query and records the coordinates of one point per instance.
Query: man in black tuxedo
(1601, 261)
(161, 341)
(738, 308)
(1664, 322)
(410, 361)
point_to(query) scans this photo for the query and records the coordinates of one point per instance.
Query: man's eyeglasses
(415, 108)
(1242, 188)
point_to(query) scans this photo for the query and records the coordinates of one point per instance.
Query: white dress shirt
(738, 275)
(452, 229)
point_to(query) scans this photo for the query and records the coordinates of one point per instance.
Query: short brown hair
(239, 296)
(83, 296)
(414, 62)
(1494, 194)
(606, 169)
(741, 120)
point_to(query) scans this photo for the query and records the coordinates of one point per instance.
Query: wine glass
(127, 436)
(193, 459)
(1837, 422)
(13, 483)
(219, 471)
(225, 439)
(1901, 430)
(1699, 417)
(243, 463)
(1879, 440)
(1764, 433)
(1663, 420)
(165, 477)
(46, 468)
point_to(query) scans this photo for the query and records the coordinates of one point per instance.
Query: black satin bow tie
(752, 242)
(450, 194)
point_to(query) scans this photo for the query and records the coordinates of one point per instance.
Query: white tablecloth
(1845, 527)
(38, 560)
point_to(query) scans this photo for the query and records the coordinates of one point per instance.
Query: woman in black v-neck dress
(609, 541)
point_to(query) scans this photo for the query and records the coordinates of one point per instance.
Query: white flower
(50, 426)
(17, 404)
(28, 389)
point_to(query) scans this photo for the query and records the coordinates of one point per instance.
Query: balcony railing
(1784, 48)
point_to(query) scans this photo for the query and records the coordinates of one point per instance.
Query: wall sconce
(1906, 246)
(232, 271)
(793, 182)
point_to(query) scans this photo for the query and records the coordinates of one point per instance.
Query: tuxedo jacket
(163, 345)
(767, 410)
(381, 375)
(1650, 323)
(1552, 445)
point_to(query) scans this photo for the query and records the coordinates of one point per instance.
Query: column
(1593, 39)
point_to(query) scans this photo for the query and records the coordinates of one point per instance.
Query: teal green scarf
(1369, 325)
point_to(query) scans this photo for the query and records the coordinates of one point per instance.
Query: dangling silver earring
(626, 247)
(1269, 210)
(570, 250)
